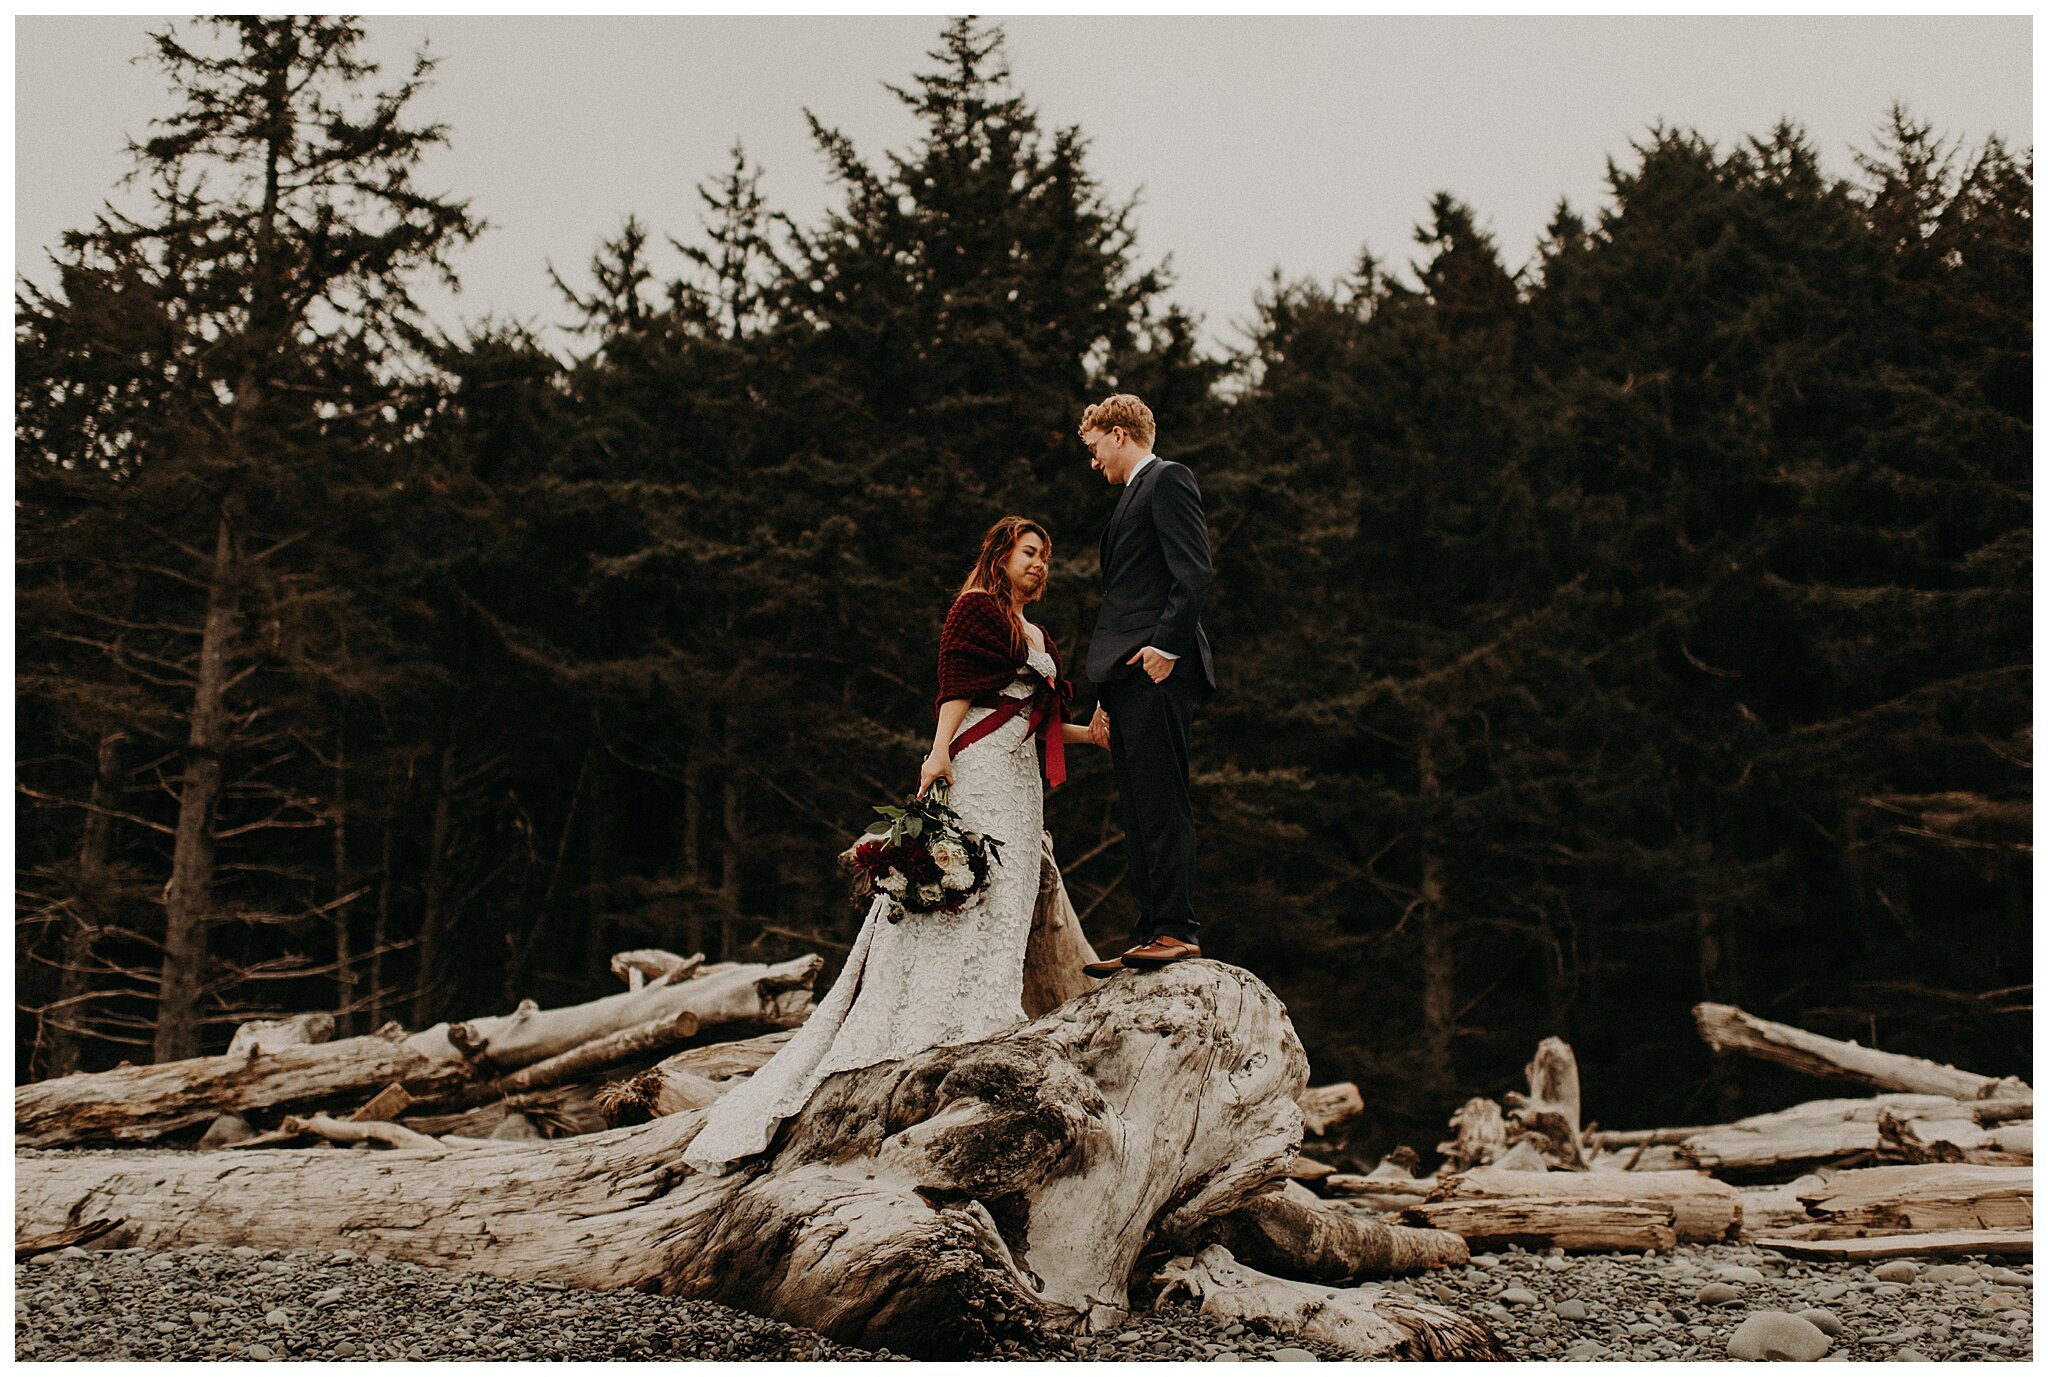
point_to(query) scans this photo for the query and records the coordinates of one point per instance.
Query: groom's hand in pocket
(1157, 666)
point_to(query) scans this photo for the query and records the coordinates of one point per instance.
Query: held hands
(938, 765)
(1098, 728)
(1156, 665)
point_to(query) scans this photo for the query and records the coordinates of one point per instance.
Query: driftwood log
(1324, 1107)
(1577, 1226)
(1702, 1210)
(691, 1079)
(1820, 1133)
(140, 1104)
(1728, 1029)
(1899, 1199)
(1313, 1240)
(933, 1205)
(1945, 1243)
(1366, 1322)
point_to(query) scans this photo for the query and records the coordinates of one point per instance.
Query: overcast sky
(1253, 143)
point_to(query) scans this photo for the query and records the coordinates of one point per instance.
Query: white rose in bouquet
(958, 872)
(893, 883)
(931, 894)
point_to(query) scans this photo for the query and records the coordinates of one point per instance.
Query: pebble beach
(1695, 1304)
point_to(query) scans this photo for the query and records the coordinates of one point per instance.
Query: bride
(936, 979)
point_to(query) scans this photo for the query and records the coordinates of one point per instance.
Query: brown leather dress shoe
(1103, 970)
(1160, 951)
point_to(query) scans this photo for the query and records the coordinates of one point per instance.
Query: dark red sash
(1048, 711)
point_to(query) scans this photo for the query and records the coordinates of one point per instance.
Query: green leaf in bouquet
(914, 827)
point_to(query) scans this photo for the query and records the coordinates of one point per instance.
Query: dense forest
(1646, 625)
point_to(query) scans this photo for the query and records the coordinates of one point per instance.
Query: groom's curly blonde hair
(1121, 409)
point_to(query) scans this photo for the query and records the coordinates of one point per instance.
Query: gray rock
(1717, 1293)
(1833, 1290)
(1826, 1321)
(1293, 1355)
(345, 1349)
(1571, 1310)
(1586, 1351)
(2006, 1276)
(1899, 1270)
(1773, 1334)
(1949, 1272)
(277, 1319)
(228, 1128)
(516, 1126)
(1748, 1274)
(259, 1352)
(1227, 1358)
(2004, 1300)
(1910, 1355)
(1517, 1295)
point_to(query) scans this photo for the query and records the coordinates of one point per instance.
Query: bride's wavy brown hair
(987, 575)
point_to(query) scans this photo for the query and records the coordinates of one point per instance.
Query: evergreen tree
(243, 336)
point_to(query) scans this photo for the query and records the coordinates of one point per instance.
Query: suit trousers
(1148, 746)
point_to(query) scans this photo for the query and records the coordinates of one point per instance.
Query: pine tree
(243, 334)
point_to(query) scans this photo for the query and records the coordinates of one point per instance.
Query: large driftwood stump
(139, 1104)
(932, 1205)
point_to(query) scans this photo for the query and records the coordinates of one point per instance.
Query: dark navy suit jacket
(1155, 573)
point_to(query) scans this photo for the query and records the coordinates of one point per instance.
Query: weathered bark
(637, 968)
(2003, 1109)
(1057, 947)
(1311, 1240)
(1900, 1199)
(1324, 1107)
(586, 1059)
(1378, 1193)
(1821, 1133)
(691, 1079)
(388, 1103)
(1943, 1243)
(72, 1237)
(349, 1131)
(776, 996)
(1366, 1322)
(933, 1204)
(1547, 1118)
(1577, 1226)
(269, 1034)
(1728, 1029)
(1300, 1168)
(1480, 1136)
(1703, 1210)
(143, 1103)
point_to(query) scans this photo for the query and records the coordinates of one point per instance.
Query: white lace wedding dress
(926, 981)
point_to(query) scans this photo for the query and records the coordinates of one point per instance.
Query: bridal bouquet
(923, 857)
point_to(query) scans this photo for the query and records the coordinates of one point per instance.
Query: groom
(1150, 662)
